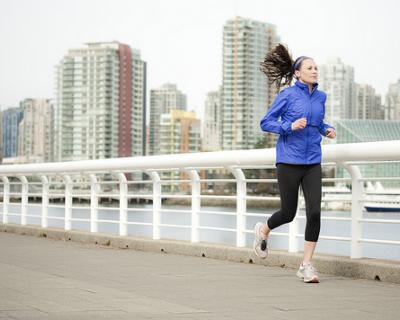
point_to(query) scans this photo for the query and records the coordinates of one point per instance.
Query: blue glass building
(11, 119)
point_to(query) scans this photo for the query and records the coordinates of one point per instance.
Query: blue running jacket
(302, 146)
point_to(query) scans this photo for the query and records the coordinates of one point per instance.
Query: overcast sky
(181, 40)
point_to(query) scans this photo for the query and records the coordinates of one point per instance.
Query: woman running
(297, 115)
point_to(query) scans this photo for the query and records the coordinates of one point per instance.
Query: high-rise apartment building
(162, 100)
(368, 103)
(337, 80)
(179, 133)
(100, 103)
(212, 122)
(246, 94)
(35, 137)
(392, 108)
(11, 119)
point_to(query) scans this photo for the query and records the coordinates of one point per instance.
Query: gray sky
(181, 40)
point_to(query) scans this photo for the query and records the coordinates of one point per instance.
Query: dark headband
(298, 61)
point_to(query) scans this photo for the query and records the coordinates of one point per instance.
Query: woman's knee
(288, 216)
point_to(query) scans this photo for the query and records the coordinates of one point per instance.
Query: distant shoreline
(226, 203)
(184, 202)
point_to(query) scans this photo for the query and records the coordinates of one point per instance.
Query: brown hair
(278, 66)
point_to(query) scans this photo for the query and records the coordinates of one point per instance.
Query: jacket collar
(304, 86)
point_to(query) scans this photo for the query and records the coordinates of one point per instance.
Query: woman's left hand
(330, 133)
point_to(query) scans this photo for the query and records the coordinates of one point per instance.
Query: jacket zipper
(307, 127)
(307, 136)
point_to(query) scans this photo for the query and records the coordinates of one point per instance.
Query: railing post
(294, 229)
(94, 203)
(196, 204)
(6, 198)
(24, 198)
(123, 204)
(68, 202)
(45, 201)
(241, 193)
(155, 177)
(356, 210)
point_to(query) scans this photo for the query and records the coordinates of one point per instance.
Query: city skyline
(191, 40)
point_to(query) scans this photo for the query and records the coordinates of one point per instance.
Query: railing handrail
(388, 150)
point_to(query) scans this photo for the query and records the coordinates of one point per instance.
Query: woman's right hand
(299, 124)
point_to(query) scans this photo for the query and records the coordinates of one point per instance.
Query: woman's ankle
(305, 262)
(265, 231)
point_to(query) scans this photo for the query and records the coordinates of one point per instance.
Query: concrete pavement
(41, 278)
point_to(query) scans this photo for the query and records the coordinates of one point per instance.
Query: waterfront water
(328, 227)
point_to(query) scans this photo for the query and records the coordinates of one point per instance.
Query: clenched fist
(299, 124)
(330, 133)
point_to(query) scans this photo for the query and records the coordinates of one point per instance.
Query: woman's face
(308, 72)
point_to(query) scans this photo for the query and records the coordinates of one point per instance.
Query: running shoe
(259, 244)
(308, 273)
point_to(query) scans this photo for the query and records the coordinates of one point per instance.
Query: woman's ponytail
(278, 66)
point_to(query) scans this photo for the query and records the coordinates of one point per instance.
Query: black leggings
(290, 177)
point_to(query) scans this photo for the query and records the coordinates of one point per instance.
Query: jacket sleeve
(324, 126)
(271, 121)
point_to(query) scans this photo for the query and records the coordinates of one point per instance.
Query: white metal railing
(49, 176)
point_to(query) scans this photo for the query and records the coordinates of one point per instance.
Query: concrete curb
(373, 269)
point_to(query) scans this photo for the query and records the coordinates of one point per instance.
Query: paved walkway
(47, 279)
